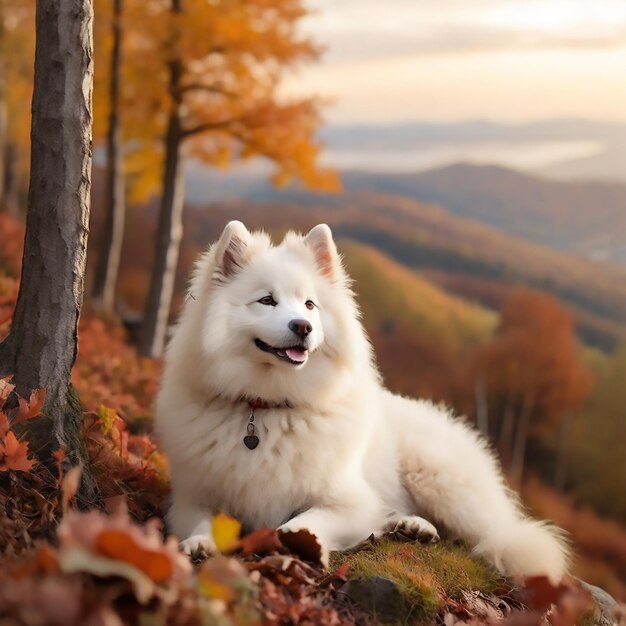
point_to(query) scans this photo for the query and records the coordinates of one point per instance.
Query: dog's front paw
(413, 528)
(199, 546)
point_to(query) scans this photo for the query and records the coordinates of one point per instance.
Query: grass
(425, 576)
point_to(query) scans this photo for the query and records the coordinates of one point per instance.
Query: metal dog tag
(251, 440)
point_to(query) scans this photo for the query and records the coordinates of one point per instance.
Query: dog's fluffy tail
(527, 548)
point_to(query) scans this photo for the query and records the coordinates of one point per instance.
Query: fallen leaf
(15, 454)
(119, 545)
(261, 541)
(226, 531)
(31, 408)
(71, 483)
(302, 543)
(540, 594)
(220, 577)
(74, 560)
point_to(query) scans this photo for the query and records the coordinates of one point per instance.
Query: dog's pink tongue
(296, 355)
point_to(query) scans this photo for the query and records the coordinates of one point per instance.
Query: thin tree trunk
(505, 440)
(3, 108)
(560, 474)
(482, 411)
(108, 265)
(41, 348)
(11, 186)
(169, 236)
(521, 439)
(170, 228)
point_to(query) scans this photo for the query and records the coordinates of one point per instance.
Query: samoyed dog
(272, 410)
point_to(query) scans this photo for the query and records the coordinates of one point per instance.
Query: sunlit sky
(505, 60)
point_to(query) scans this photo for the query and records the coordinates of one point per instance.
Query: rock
(606, 604)
(379, 596)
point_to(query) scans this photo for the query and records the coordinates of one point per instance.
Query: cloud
(364, 30)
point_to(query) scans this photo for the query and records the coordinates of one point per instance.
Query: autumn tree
(206, 78)
(531, 372)
(3, 100)
(16, 69)
(598, 473)
(109, 45)
(41, 348)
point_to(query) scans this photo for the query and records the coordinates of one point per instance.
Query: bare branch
(201, 128)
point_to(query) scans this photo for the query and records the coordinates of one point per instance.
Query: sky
(448, 60)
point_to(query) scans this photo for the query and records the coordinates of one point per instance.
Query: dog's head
(276, 321)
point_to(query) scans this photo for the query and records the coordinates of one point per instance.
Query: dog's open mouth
(295, 355)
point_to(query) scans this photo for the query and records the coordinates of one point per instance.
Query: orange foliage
(109, 371)
(125, 463)
(12, 232)
(533, 363)
(18, 50)
(231, 56)
(14, 455)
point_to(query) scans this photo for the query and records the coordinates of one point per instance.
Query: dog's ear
(320, 240)
(230, 252)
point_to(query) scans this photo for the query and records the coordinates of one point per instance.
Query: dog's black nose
(301, 327)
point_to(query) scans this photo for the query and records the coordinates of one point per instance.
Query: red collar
(259, 403)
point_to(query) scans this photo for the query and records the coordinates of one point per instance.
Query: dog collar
(251, 440)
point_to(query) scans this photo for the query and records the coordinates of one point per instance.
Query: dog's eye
(309, 304)
(268, 300)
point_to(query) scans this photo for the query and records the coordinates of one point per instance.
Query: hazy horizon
(506, 60)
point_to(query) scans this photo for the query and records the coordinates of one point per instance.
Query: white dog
(272, 410)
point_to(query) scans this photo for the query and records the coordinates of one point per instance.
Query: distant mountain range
(584, 218)
(464, 256)
(565, 149)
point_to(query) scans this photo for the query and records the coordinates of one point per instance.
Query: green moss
(425, 575)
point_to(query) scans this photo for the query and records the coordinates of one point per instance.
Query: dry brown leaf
(303, 544)
(71, 483)
(14, 454)
(262, 541)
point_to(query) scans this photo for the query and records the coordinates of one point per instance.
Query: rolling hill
(474, 260)
(581, 217)
(391, 295)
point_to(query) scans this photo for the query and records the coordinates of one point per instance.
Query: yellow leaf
(226, 532)
(107, 418)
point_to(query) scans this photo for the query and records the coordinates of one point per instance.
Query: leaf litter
(67, 567)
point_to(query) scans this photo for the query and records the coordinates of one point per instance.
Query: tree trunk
(482, 410)
(41, 347)
(169, 236)
(3, 109)
(505, 440)
(170, 228)
(11, 185)
(560, 474)
(111, 250)
(521, 439)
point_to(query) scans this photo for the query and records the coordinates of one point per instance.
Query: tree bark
(170, 228)
(41, 347)
(108, 265)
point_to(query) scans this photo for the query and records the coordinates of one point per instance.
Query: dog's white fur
(347, 458)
